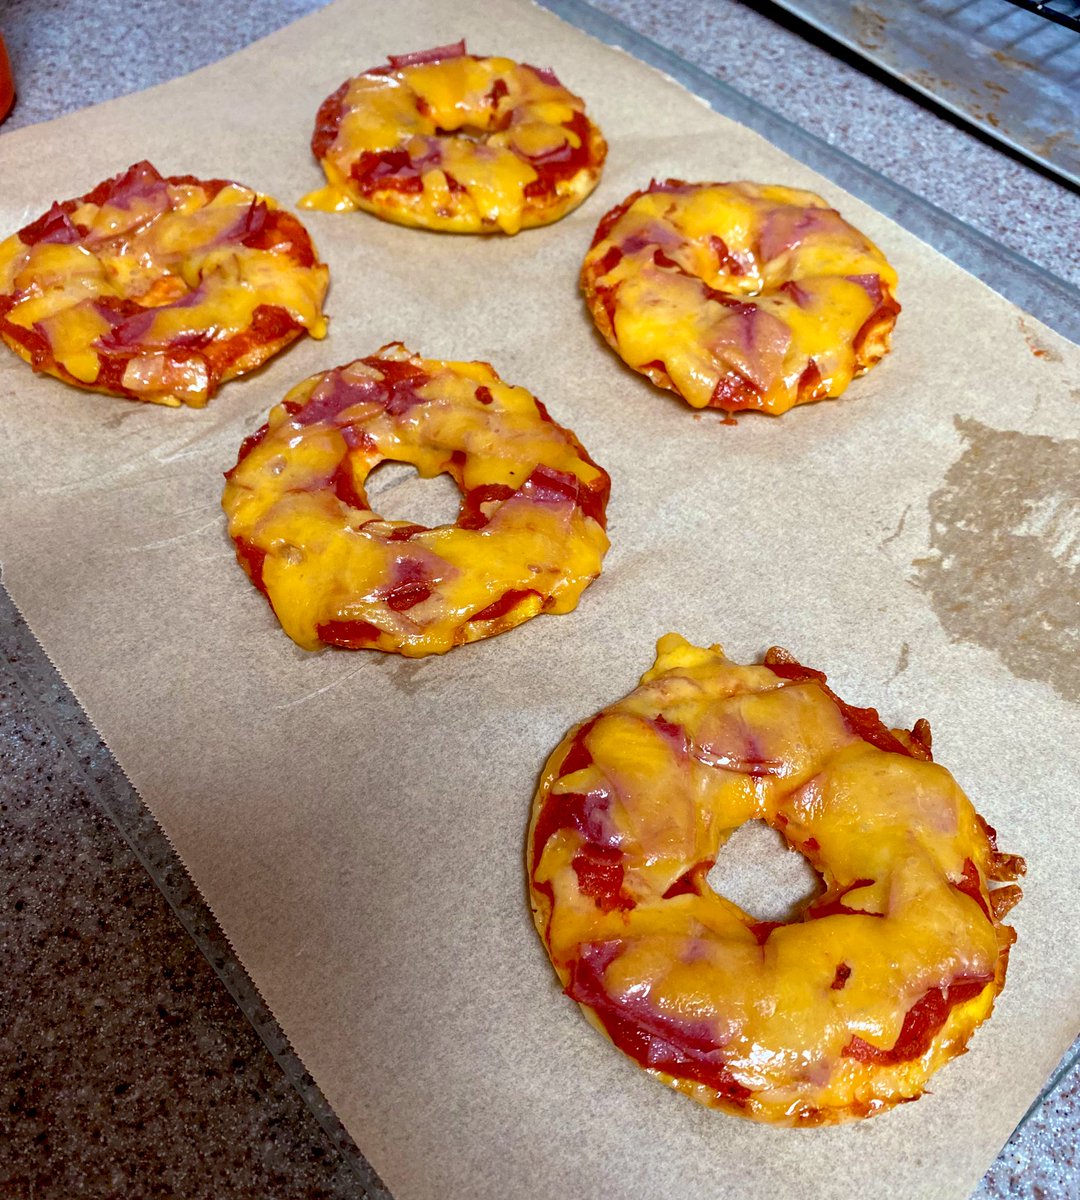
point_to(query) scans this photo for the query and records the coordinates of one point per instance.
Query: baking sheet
(356, 821)
(1010, 72)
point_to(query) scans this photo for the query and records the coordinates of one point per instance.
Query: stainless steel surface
(1013, 73)
(1062, 12)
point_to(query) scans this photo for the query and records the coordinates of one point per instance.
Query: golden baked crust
(445, 140)
(739, 295)
(838, 1014)
(159, 289)
(529, 537)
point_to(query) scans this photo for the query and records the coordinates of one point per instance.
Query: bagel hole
(758, 871)
(398, 492)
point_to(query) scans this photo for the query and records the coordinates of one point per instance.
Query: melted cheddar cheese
(840, 1013)
(529, 539)
(739, 295)
(159, 289)
(445, 140)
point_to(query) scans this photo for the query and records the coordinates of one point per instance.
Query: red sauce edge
(923, 1022)
(970, 885)
(600, 875)
(654, 1041)
(762, 929)
(472, 515)
(246, 446)
(862, 722)
(350, 635)
(836, 907)
(510, 599)
(559, 811)
(344, 487)
(690, 883)
(252, 559)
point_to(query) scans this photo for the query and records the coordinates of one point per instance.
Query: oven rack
(1063, 12)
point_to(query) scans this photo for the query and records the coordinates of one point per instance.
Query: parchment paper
(357, 821)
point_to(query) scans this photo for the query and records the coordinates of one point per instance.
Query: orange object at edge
(7, 82)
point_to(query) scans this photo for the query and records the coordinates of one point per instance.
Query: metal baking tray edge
(1009, 93)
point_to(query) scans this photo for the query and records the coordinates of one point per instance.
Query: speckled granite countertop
(127, 1065)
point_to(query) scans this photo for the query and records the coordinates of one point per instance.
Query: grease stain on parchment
(1035, 344)
(1003, 569)
(116, 419)
(406, 674)
(902, 662)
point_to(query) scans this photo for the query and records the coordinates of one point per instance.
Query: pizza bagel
(839, 1013)
(159, 288)
(739, 295)
(529, 536)
(447, 140)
